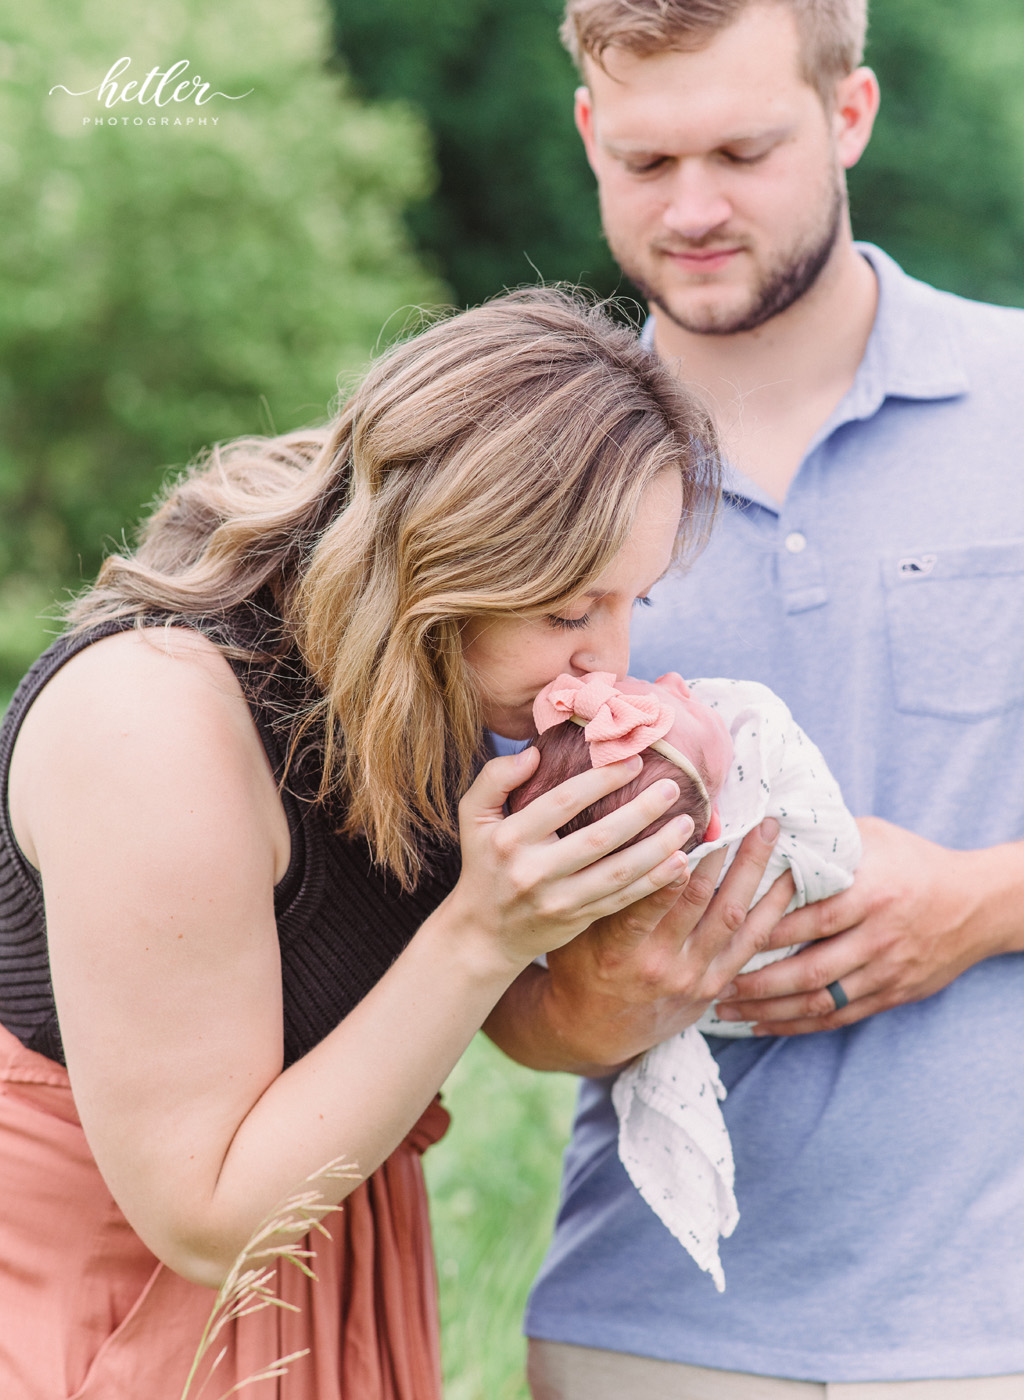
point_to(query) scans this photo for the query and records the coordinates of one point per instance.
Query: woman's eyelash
(571, 623)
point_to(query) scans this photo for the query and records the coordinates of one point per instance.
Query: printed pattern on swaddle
(673, 1140)
(777, 772)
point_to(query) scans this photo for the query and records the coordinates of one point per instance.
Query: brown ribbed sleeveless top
(341, 921)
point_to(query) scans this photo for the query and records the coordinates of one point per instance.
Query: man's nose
(697, 203)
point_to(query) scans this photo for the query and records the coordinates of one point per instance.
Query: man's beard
(780, 287)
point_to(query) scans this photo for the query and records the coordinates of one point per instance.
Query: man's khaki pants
(560, 1372)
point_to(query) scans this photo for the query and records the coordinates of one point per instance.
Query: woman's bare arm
(141, 790)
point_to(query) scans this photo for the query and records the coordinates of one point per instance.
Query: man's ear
(854, 111)
(583, 115)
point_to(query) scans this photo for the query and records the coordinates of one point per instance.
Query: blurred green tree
(168, 286)
(940, 187)
(515, 197)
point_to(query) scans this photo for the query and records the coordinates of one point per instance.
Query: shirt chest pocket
(955, 625)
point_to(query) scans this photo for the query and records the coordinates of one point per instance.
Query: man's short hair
(832, 32)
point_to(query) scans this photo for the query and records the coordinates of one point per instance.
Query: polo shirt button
(795, 542)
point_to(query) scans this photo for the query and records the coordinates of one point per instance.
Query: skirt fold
(87, 1312)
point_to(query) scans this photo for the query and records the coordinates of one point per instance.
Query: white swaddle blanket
(673, 1140)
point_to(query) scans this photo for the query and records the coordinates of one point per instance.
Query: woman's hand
(525, 890)
(636, 977)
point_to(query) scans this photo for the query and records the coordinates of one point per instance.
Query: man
(868, 564)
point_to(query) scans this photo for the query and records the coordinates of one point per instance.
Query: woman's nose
(608, 651)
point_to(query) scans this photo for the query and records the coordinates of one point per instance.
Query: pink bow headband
(614, 725)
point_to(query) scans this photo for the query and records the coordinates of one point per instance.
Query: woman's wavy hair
(491, 464)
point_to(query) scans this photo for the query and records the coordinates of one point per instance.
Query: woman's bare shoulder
(179, 657)
(159, 703)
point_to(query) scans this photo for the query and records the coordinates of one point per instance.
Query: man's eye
(741, 158)
(644, 167)
(568, 624)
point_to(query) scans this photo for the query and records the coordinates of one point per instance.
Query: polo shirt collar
(913, 352)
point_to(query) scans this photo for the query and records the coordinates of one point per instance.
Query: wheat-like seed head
(249, 1285)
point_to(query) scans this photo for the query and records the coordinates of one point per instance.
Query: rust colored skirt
(86, 1311)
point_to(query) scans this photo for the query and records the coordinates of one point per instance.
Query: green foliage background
(940, 188)
(164, 289)
(167, 287)
(493, 1184)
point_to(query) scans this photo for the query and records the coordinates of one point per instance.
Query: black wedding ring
(835, 991)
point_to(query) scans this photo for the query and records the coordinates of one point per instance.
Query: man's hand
(635, 978)
(916, 916)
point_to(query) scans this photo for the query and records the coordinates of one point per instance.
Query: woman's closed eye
(570, 624)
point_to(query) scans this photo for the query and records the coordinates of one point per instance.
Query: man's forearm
(523, 1026)
(998, 882)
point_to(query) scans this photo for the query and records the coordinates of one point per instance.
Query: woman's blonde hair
(491, 464)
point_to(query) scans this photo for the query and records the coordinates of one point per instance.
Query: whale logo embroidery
(916, 567)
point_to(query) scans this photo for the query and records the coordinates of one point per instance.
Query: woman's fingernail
(726, 1013)
(668, 790)
(727, 992)
(769, 830)
(634, 763)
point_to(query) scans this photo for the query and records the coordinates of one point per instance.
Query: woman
(233, 784)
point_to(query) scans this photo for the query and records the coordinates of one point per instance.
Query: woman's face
(513, 658)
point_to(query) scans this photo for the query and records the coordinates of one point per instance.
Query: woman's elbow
(205, 1258)
(208, 1252)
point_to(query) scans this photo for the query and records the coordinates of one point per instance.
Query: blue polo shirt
(880, 1169)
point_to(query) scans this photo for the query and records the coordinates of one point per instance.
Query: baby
(591, 721)
(738, 757)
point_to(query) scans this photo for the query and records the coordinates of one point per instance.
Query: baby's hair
(564, 753)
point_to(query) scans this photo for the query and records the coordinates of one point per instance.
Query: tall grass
(493, 1182)
(251, 1284)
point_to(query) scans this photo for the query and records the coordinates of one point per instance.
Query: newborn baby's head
(594, 720)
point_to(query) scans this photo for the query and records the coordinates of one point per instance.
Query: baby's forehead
(698, 731)
(636, 685)
(668, 690)
(670, 686)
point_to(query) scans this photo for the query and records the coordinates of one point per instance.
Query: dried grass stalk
(249, 1287)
